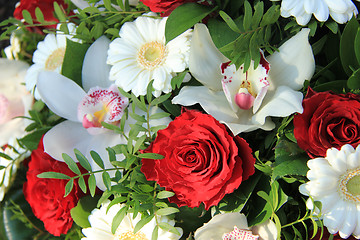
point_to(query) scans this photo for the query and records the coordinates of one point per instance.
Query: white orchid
(84, 110)
(15, 100)
(245, 101)
(233, 225)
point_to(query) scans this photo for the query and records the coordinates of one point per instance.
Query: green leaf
(155, 233)
(160, 99)
(167, 211)
(139, 104)
(271, 16)
(258, 14)
(177, 80)
(71, 164)
(96, 157)
(107, 4)
(118, 219)
(165, 194)
(357, 45)
(142, 222)
(167, 227)
(247, 16)
(68, 187)
(149, 91)
(39, 15)
(107, 180)
(137, 117)
(27, 17)
(3, 155)
(82, 184)
(73, 60)
(354, 80)
(82, 160)
(159, 115)
(92, 184)
(31, 141)
(347, 41)
(139, 142)
(150, 156)
(289, 160)
(55, 175)
(59, 12)
(232, 25)
(184, 17)
(83, 209)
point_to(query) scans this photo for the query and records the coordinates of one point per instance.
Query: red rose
(203, 161)
(46, 196)
(165, 7)
(46, 7)
(329, 120)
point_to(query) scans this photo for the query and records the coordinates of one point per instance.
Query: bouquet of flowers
(180, 119)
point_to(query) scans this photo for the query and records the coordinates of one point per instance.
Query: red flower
(165, 7)
(329, 120)
(203, 161)
(46, 7)
(46, 196)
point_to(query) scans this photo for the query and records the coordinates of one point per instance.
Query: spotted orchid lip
(102, 105)
(245, 90)
(240, 234)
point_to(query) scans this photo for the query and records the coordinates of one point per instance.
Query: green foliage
(254, 31)
(184, 17)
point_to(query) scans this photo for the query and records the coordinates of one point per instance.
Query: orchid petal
(294, 63)
(95, 71)
(214, 103)
(282, 103)
(60, 94)
(205, 58)
(266, 230)
(11, 129)
(64, 138)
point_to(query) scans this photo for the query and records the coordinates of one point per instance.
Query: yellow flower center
(55, 59)
(151, 55)
(129, 235)
(350, 185)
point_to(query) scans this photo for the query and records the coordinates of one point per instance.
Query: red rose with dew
(202, 162)
(165, 7)
(329, 120)
(46, 7)
(46, 196)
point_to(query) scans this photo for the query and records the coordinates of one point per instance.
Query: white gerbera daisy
(101, 220)
(140, 55)
(49, 56)
(10, 166)
(340, 10)
(335, 181)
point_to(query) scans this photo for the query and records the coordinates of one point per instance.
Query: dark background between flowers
(6, 10)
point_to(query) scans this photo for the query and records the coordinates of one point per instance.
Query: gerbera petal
(334, 218)
(350, 222)
(294, 63)
(95, 71)
(64, 138)
(60, 94)
(205, 59)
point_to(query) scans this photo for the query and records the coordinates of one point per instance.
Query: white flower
(101, 220)
(140, 55)
(340, 10)
(85, 111)
(244, 101)
(48, 56)
(7, 174)
(233, 226)
(15, 101)
(334, 181)
(12, 51)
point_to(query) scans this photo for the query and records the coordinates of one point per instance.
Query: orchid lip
(102, 105)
